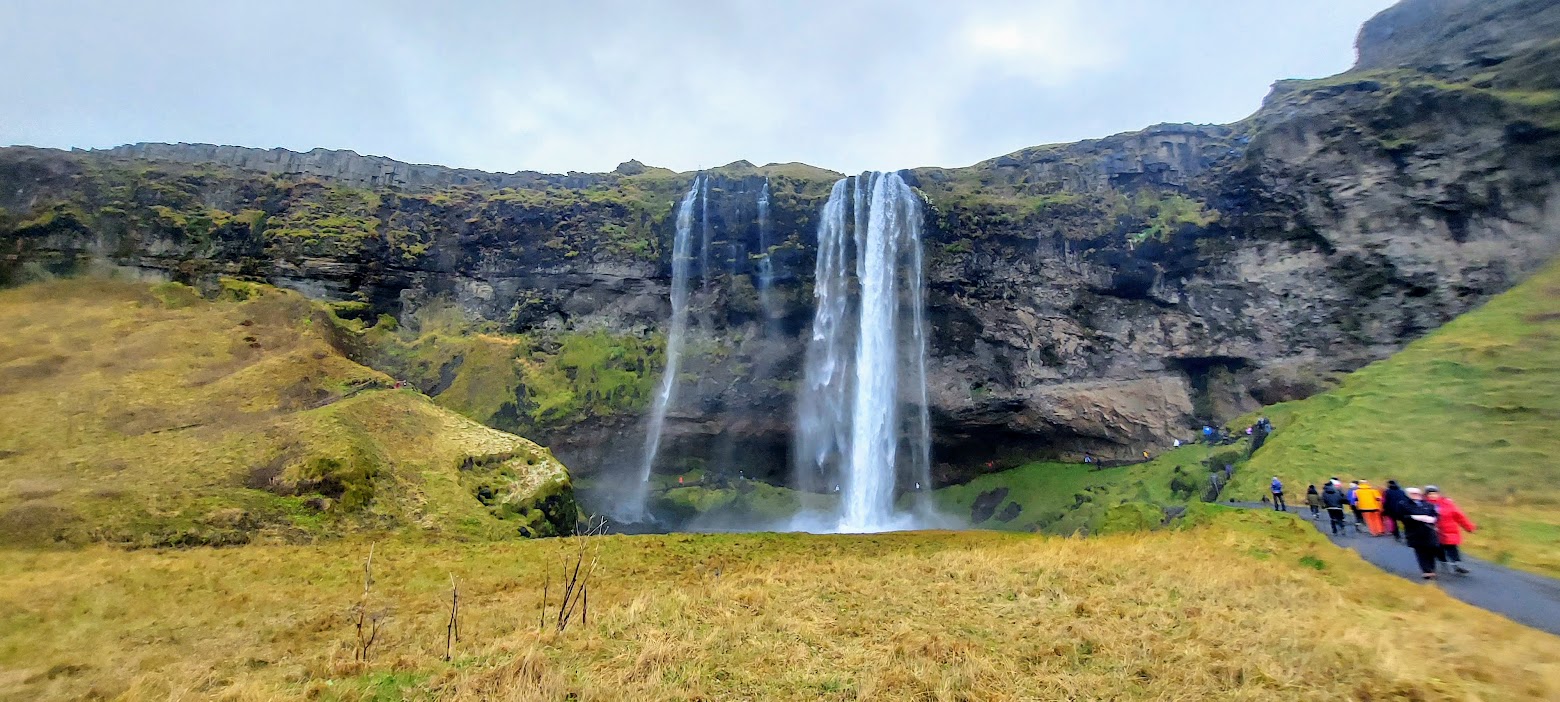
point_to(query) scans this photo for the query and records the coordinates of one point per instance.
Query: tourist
(1419, 529)
(1449, 527)
(1277, 488)
(1359, 519)
(1392, 508)
(1313, 499)
(1368, 500)
(1333, 500)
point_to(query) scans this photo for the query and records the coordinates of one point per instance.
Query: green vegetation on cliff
(148, 415)
(1473, 407)
(512, 381)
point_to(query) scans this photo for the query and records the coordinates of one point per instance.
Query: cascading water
(866, 354)
(705, 237)
(822, 420)
(632, 507)
(766, 266)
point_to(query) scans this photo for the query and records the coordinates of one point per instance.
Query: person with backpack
(1277, 488)
(1421, 532)
(1368, 500)
(1449, 528)
(1392, 503)
(1313, 499)
(1333, 501)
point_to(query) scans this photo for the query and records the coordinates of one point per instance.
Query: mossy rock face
(527, 487)
(744, 502)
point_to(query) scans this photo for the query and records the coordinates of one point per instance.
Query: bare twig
(577, 575)
(367, 624)
(452, 630)
(541, 621)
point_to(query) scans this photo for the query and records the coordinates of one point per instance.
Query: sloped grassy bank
(148, 415)
(1473, 407)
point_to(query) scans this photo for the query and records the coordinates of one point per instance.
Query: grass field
(1474, 407)
(148, 415)
(1245, 606)
(1064, 498)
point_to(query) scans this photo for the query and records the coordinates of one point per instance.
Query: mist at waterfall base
(862, 434)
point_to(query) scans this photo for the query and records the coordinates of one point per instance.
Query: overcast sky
(584, 85)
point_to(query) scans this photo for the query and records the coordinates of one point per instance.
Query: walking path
(1523, 597)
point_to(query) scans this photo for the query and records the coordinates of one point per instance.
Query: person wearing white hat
(1419, 527)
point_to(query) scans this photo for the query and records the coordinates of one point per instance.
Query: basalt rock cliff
(1104, 296)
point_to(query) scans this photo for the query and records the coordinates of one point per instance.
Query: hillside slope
(1474, 408)
(148, 415)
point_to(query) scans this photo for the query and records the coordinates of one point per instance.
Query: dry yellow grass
(1246, 607)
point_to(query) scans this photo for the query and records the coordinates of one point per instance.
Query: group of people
(1426, 520)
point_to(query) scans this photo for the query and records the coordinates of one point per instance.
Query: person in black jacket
(1419, 518)
(1334, 501)
(1392, 504)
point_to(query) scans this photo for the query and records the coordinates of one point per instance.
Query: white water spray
(850, 428)
(633, 507)
(766, 266)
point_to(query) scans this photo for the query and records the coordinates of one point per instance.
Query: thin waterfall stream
(633, 508)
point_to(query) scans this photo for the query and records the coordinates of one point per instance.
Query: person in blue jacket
(1278, 495)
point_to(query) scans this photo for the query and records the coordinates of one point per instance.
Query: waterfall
(705, 236)
(822, 424)
(867, 355)
(632, 509)
(766, 267)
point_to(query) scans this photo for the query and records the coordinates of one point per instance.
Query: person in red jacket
(1450, 526)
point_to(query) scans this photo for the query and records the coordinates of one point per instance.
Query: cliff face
(1105, 296)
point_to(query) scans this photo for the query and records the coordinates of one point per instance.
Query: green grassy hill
(1064, 498)
(148, 415)
(1474, 408)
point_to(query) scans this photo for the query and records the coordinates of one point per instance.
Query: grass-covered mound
(1066, 498)
(149, 415)
(1474, 408)
(1251, 606)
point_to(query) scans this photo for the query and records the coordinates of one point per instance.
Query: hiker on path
(1368, 500)
(1449, 527)
(1334, 500)
(1277, 488)
(1313, 499)
(1392, 503)
(1419, 528)
(1354, 505)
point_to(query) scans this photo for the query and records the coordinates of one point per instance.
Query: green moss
(1162, 214)
(1063, 498)
(236, 290)
(175, 295)
(1131, 517)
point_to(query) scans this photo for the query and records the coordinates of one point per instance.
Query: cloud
(585, 85)
(1051, 44)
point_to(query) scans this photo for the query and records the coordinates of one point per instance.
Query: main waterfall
(632, 508)
(866, 358)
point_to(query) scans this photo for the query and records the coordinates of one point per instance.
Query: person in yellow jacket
(1368, 499)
